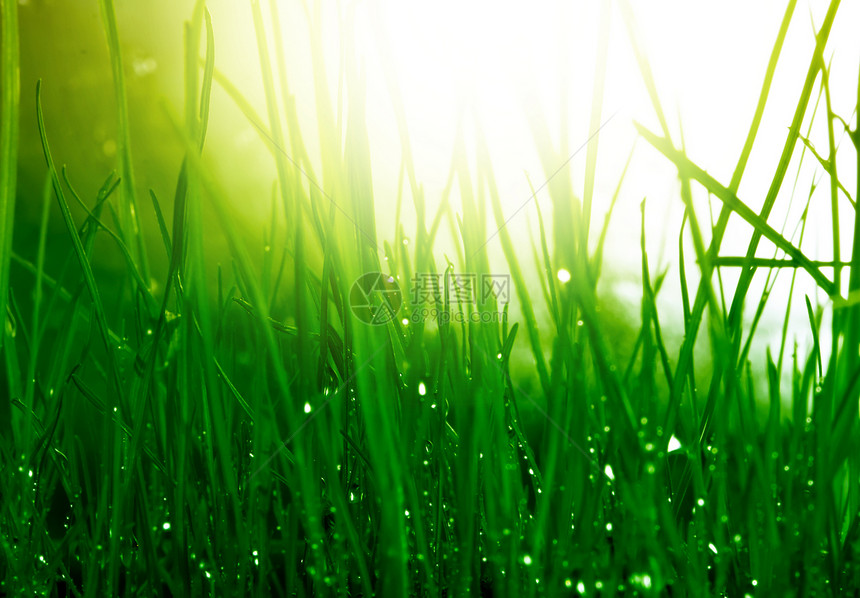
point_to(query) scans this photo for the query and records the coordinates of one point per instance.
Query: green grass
(9, 130)
(234, 429)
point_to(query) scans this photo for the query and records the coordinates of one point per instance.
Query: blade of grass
(89, 278)
(816, 347)
(129, 217)
(759, 224)
(595, 119)
(112, 438)
(787, 151)
(702, 294)
(37, 329)
(9, 111)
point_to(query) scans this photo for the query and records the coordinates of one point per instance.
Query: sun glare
(522, 78)
(506, 69)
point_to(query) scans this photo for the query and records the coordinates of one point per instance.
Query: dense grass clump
(237, 427)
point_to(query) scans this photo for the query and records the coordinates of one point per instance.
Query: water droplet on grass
(144, 66)
(608, 471)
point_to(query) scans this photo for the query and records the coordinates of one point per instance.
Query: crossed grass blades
(249, 435)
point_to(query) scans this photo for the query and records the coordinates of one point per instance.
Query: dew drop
(608, 471)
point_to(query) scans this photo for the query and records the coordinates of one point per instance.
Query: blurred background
(503, 70)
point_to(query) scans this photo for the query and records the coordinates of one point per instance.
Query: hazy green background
(457, 66)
